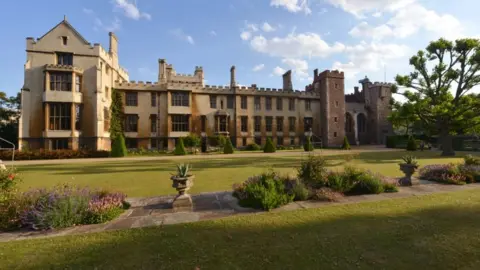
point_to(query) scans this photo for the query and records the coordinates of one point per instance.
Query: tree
(228, 149)
(308, 147)
(116, 125)
(180, 148)
(192, 141)
(403, 118)
(9, 115)
(269, 146)
(346, 144)
(439, 96)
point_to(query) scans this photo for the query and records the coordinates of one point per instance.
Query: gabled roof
(67, 24)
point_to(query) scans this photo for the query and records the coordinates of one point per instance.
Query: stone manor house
(67, 95)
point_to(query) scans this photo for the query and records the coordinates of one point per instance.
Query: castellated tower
(377, 103)
(331, 86)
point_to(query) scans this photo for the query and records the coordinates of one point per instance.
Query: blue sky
(262, 38)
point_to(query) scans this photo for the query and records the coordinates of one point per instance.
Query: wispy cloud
(131, 10)
(213, 33)
(182, 35)
(113, 26)
(258, 67)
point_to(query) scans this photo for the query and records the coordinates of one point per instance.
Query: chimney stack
(113, 43)
(162, 71)
(287, 81)
(233, 83)
(356, 90)
(315, 73)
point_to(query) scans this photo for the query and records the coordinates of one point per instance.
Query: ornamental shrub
(411, 144)
(308, 147)
(346, 144)
(312, 171)
(471, 160)
(266, 191)
(228, 148)
(269, 146)
(367, 183)
(444, 173)
(53, 154)
(300, 191)
(253, 147)
(180, 148)
(118, 147)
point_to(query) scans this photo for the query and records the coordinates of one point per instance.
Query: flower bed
(59, 207)
(455, 174)
(313, 182)
(53, 154)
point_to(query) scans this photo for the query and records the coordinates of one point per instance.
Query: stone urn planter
(182, 182)
(408, 168)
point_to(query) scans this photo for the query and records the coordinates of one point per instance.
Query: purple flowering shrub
(65, 206)
(443, 173)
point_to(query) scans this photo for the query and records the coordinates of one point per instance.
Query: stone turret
(287, 81)
(233, 82)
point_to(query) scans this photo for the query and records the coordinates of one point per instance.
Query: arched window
(362, 123)
(348, 123)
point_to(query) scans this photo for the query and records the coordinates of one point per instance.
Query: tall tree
(403, 117)
(9, 115)
(439, 88)
(116, 125)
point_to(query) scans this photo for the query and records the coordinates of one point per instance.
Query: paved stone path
(238, 154)
(156, 211)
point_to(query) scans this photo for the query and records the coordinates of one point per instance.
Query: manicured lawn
(428, 232)
(151, 178)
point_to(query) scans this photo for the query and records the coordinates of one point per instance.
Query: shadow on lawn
(432, 238)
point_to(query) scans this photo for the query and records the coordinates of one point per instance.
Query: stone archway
(350, 128)
(362, 128)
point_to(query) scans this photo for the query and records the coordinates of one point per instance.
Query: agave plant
(410, 160)
(182, 170)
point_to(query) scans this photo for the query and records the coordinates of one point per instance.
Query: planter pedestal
(183, 201)
(408, 170)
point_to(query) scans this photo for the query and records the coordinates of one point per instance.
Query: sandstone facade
(68, 83)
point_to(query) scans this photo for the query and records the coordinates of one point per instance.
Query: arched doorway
(362, 128)
(350, 128)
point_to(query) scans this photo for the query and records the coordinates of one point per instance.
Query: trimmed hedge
(346, 144)
(411, 144)
(180, 148)
(269, 146)
(52, 154)
(228, 149)
(308, 147)
(119, 149)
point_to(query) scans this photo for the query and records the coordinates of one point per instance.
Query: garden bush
(471, 160)
(390, 187)
(308, 147)
(10, 205)
(367, 183)
(253, 147)
(391, 141)
(180, 148)
(118, 147)
(300, 191)
(266, 191)
(65, 206)
(443, 173)
(191, 141)
(346, 144)
(312, 171)
(228, 148)
(53, 154)
(411, 144)
(269, 146)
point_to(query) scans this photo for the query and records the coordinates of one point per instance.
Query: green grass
(428, 232)
(151, 178)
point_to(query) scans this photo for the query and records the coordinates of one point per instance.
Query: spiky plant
(182, 170)
(409, 159)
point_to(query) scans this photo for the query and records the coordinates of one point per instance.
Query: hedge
(52, 154)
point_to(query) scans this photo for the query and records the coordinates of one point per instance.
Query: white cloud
(181, 35)
(87, 11)
(322, 11)
(251, 27)
(245, 35)
(113, 26)
(295, 46)
(377, 14)
(267, 27)
(299, 67)
(213, 33)
(292, 5)
(360, 7)
(258, 67)
(130, 10)
(278, 71)
(408, 21)
(370, 57)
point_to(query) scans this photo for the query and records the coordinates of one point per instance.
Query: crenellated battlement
(56, 67)
(375, 84)
(331, 74)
